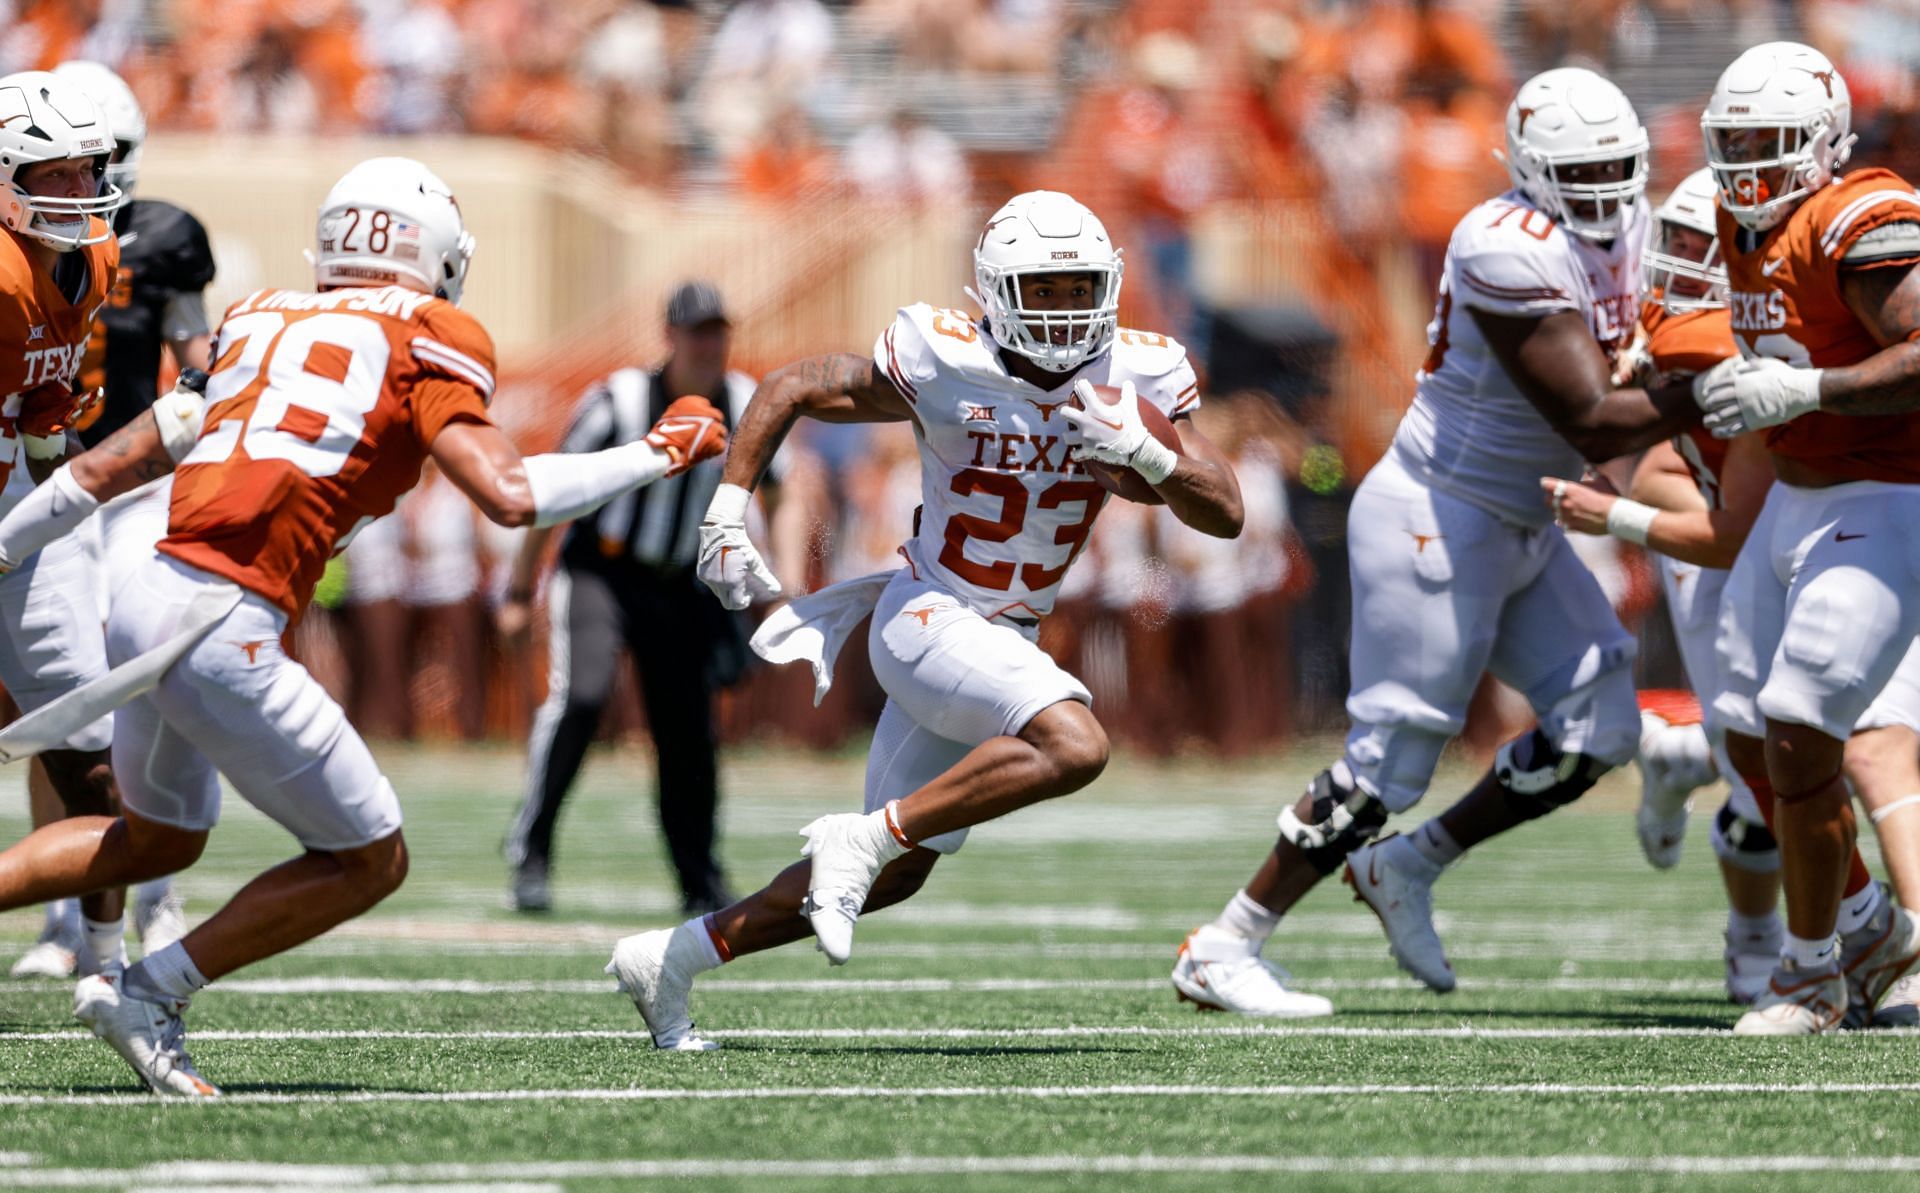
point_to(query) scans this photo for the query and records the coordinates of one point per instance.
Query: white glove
(728, 562)
(1747, 395)
(1113, 433)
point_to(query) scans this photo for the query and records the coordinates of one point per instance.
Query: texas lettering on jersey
(44, 336)
(321, 410)
(1005, 504)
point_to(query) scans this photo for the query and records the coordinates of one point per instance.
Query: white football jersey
(1005, 506)
(1470, 430)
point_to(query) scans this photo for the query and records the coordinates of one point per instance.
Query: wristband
(44, 447)
(728, 507)
(1630, 520)
(1155, 461)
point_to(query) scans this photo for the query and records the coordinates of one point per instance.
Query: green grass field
(1010, 1029)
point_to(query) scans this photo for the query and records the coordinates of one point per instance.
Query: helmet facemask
(1591, 197)
(1765, 170)
(62, 222)
(1684, 267)
(1058, 340)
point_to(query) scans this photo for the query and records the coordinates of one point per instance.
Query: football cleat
(1217, 971)
(1879, 955)
(159, 922)
(1901, 1006)
(150, 1036)
(656, 970)
(1392, 878)
(1674, 761)
(847, 855)
(530, 892)
(1748, 972)
(55, 955)
(1797, 1003)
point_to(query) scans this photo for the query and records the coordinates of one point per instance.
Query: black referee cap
(695, 302)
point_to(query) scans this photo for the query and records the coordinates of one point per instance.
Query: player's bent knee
(1536, 777)
(160, 849)
(1335, 817)
(1744, 845)
(1883, 760)
(375, 870)
(1072, 739)
(1802, 760)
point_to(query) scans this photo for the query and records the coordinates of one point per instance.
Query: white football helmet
(1778, 128)
(391, 221)
(1563, 120)
(44, 118)
(1047, 232)
(1689, 207)
(110, 93)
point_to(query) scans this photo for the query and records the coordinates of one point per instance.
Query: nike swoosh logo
(1840, 536)
(1103, 422)
(723, 558)
(1766, 271)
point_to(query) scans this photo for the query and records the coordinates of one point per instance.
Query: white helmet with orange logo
(391, 221)
(1042, 232)
(1689, 207)
(1568, 122)
(44, 118)
(110, 93)
(1778, 128)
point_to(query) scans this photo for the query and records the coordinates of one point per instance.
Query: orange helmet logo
(1525, 115)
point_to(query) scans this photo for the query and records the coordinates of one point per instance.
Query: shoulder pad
(1159, 369)
(1512, 261)
(924, 339)
(451, 342)
(1856, 205)
(173, 247)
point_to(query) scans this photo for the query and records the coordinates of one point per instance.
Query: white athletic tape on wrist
(567, 485)
(729, 506)
(53, 510)
(178, 417)
(1155, 461)
(1630, 520)
(44, 447)
(1880, 814)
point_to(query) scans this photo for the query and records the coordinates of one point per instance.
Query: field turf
(1011, 1029)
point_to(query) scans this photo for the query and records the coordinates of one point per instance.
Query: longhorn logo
(1826, 78)
(1046, 409)
(1525, 115)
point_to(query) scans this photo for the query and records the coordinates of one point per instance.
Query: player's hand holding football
(729, 564)
(1113, 433)
(690, 431)
(1746, 395)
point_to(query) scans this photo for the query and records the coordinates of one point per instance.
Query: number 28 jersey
(321, 409)
(1005, 505)
(1470, 431)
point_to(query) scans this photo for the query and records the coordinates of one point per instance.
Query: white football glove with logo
(1113, 433)
(1742, 395)
(729, 564)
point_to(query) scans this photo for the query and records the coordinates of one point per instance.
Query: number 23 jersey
(321, 409)
(1005, 506)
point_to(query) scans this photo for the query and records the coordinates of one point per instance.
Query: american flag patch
(406, 231)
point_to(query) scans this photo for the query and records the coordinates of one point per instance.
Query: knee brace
(1743, 844)
(1535, 777)
(1342, 817)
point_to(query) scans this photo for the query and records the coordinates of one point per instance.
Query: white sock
(1763, 932)
(893, 841)
(63, 917)
(105, 941)
(1810, 954)
(1435, 843)
(1856, 909)
(1245, 918)
(708, 955)
(167, 975)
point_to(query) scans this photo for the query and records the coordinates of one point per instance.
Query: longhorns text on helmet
(110, 93)
(46, 118)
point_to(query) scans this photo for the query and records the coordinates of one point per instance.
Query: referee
(625, 576)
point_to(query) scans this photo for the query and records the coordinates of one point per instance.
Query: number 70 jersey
(1005, 505)
(321, 408)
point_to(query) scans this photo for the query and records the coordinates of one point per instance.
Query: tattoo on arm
(136, 448)
(1886, 300)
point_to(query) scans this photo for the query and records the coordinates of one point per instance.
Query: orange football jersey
(320, 411)
(43, 337)
(1683, 345)
(1786, 301)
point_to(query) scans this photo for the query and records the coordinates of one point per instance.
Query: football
(1125, 482)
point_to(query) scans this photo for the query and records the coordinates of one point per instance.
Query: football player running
(320, 411)
(58, 259)
(979, 721)
(1456, 567)
(1693, 502)
(1821, 606)
(156, 299)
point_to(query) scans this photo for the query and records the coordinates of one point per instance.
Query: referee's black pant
(668, 624)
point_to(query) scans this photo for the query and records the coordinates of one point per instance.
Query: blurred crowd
(1368, 121)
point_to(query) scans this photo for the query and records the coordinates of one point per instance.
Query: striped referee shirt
(657, 526)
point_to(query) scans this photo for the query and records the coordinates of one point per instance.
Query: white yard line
(224, 1176)
(278, 987)
(1034, 1092)
(1226, 1031)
